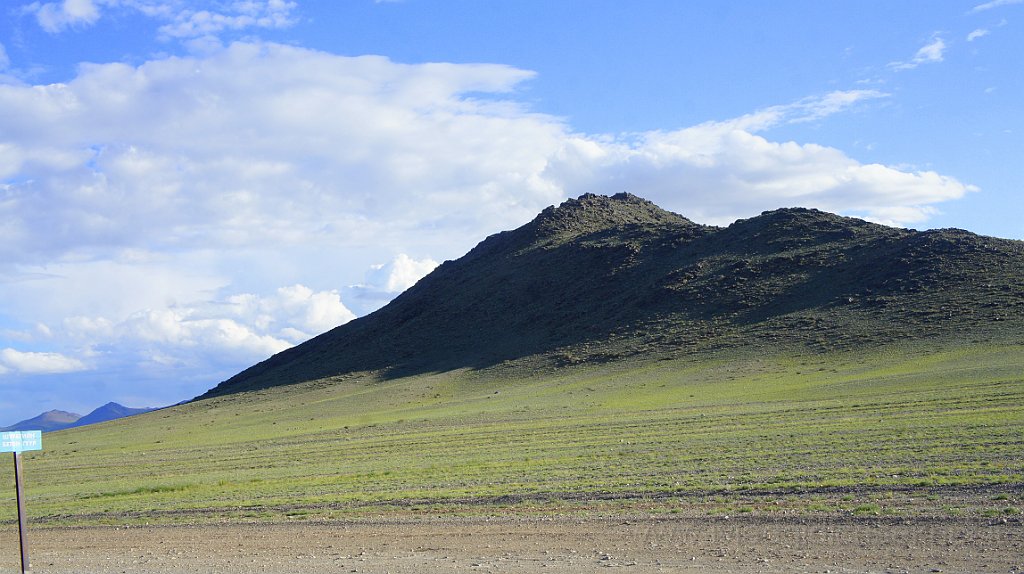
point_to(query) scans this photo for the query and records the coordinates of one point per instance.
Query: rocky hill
(608, 278)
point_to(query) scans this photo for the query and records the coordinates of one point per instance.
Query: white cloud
(930, 53)
(150, 215)
(896, 215)
(237, 15)
(33, 363)
(979, 33)
(185, 20)
(708, 171)
(806, 110)
(383, 281)
(107, 288)
(259, 149)
(994, 4)
(144, 305)
(180, 334)
(399, 274)
(265, 144)
(295, 312)
(226, 333)
(55, 17)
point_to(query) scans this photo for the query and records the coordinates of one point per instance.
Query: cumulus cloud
(270, 145)
(930, 53)
(55, 17)
(33, 363)
(706, 171)
(224, 333)
(264, 147)
(181, 333)
(264, 144)
(383, 281)
(294, 313)
(399, 274)
(152, 309)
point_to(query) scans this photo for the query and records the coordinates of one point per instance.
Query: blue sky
(187, 187)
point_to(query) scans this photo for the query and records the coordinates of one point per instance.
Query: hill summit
(607, 278)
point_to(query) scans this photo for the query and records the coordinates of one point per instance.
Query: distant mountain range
(600, 279)
(57, 420)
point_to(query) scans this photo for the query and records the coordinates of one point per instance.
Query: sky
(190, 186)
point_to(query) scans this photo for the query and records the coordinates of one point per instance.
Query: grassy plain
(892, 432)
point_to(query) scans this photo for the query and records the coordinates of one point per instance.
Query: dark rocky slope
(603, 278)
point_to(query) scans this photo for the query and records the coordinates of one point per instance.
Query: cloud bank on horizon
(168, 222)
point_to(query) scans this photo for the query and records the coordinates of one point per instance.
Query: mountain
(57, 420)
(48, 421)
(108, 412)
(610, 278)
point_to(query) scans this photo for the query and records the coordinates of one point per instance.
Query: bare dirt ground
(534, 545)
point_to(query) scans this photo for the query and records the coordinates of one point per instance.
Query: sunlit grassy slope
(663, 435)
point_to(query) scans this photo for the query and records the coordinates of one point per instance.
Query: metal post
(26, 566)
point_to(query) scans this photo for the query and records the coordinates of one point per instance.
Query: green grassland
(888, 431)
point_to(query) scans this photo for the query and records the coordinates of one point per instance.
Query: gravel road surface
(533, 545)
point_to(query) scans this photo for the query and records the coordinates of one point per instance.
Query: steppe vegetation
(900, 431)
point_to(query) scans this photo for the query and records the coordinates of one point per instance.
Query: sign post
(16, 442)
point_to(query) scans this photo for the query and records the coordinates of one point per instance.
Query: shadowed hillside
(606, 278)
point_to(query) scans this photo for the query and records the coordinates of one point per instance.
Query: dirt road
(533, 545)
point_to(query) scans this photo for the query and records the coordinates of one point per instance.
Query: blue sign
(18, 441)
